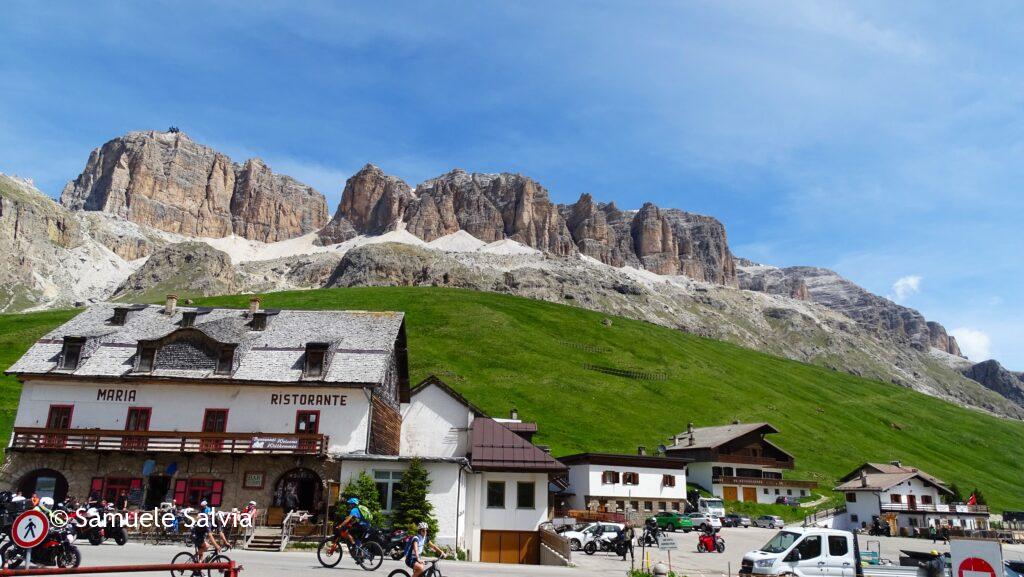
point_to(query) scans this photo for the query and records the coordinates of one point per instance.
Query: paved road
(685, 560)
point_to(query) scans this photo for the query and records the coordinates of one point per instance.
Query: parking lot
(685, 561)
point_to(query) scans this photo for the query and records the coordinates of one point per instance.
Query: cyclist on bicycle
(416, 547)
(357, 521)
(202, 534)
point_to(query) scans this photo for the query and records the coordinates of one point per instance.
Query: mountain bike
(185, 557)
(432, 570)
(368, 555)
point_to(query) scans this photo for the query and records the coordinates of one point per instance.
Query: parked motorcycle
(606, 542)
(391, 542)
(96, 534)
(57, 550)
(710, 541)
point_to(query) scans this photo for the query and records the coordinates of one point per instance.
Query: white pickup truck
(809, 552)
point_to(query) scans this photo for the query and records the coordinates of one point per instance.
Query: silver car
(769, 522)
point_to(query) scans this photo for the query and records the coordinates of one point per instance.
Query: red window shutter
(97, 485)
(179, 491)
(218, 491)
(135, 484)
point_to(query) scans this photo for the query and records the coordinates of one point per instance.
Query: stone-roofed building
(183, 403)
(736, 462)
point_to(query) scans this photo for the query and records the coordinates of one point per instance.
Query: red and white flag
(973, 500)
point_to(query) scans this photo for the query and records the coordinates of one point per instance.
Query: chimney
(693, 440)
(863, 478)
(689, 428)
(170, 305)
(676, 439)
(514, 414)
(641, 450)
(254, 305)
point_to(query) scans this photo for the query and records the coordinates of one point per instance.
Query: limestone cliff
(166, 181)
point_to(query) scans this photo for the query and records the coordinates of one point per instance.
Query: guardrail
(230, 569)
(36, 438)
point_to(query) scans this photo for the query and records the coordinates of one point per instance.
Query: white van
(809, 552)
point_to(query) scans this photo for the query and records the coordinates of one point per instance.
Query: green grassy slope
(504, 352)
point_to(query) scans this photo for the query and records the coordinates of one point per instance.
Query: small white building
(489, 484)
(737, 463)
(905, 498)
(620, 483)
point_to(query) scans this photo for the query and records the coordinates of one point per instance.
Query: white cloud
(973, 343)
(905, 287)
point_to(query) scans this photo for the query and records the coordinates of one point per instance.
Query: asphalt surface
(685, 560)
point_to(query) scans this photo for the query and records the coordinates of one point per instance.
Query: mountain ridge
(142, 195)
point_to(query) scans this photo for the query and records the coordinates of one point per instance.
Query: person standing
(628, 535)
(933, 533)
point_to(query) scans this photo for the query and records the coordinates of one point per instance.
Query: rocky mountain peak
(167, 181)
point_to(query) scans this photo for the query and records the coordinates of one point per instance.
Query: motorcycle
(394, 543)
(96, 534)
(710, 541)
(607, 542)
(57, 550)
(651, 534)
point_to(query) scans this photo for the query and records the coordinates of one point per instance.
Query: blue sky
(883, 140)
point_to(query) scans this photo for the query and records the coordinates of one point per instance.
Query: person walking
(933, 533)
(945, 535)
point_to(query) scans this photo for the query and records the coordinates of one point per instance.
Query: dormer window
(120, 316)
(316, 357)
(147, 358)
(188, 319)
(259, 321)
(72, 353)
(225, 361)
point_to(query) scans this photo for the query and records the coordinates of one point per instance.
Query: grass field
(504, 352)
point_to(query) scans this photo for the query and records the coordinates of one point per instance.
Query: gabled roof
(495, 448)
(362, 344)
(643, 461)
(874, 481)
(433, 381)
(712, 437)
(520, 427)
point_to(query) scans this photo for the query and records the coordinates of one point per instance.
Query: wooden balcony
(747, 460)
(40, 439)
(764, 482)
(933, 508)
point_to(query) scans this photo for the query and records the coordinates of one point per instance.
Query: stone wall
(80, 467)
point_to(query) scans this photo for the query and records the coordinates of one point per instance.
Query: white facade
(702, 474)
(344, 412)
(650, 493)
(911, 504)
(435, 425)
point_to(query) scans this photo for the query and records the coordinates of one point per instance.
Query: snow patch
(507, 246)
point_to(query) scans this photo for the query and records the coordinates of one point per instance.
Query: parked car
(769, 522)
(735, 520)
(810, 552)
(703, 521)
(673, 521)
(577, 539)
(784, 500)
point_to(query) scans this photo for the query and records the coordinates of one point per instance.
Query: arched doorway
(299, 489)
(45, 483)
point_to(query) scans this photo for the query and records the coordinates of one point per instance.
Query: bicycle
(367, 555)
(185, 557)
(431, 571)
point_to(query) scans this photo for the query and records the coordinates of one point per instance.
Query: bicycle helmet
(353, 501)
(46, 502)
(422, 525)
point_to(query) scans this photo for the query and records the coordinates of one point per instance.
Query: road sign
(976, 558)
(29, 529)
(667, 543)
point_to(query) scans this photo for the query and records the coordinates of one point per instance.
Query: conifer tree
(363, 488)
(412, 506)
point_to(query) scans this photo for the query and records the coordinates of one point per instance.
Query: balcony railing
(746, 460)
(932, 508)
(763, 482)
(33, 438)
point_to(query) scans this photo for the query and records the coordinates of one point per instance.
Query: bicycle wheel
(399, 573)
(182, 558)
(217, 559)
(329, 552)
(372, 557)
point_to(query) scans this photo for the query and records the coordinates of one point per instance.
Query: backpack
(365, 512)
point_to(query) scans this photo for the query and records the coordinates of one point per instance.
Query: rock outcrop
(185, 269)
(166, 181)
(372, 203)
(993, 376)
(877, 314)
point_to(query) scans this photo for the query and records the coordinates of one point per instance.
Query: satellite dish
(662, 448)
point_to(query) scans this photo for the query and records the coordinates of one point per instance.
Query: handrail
(288, 526)
(39, 438)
